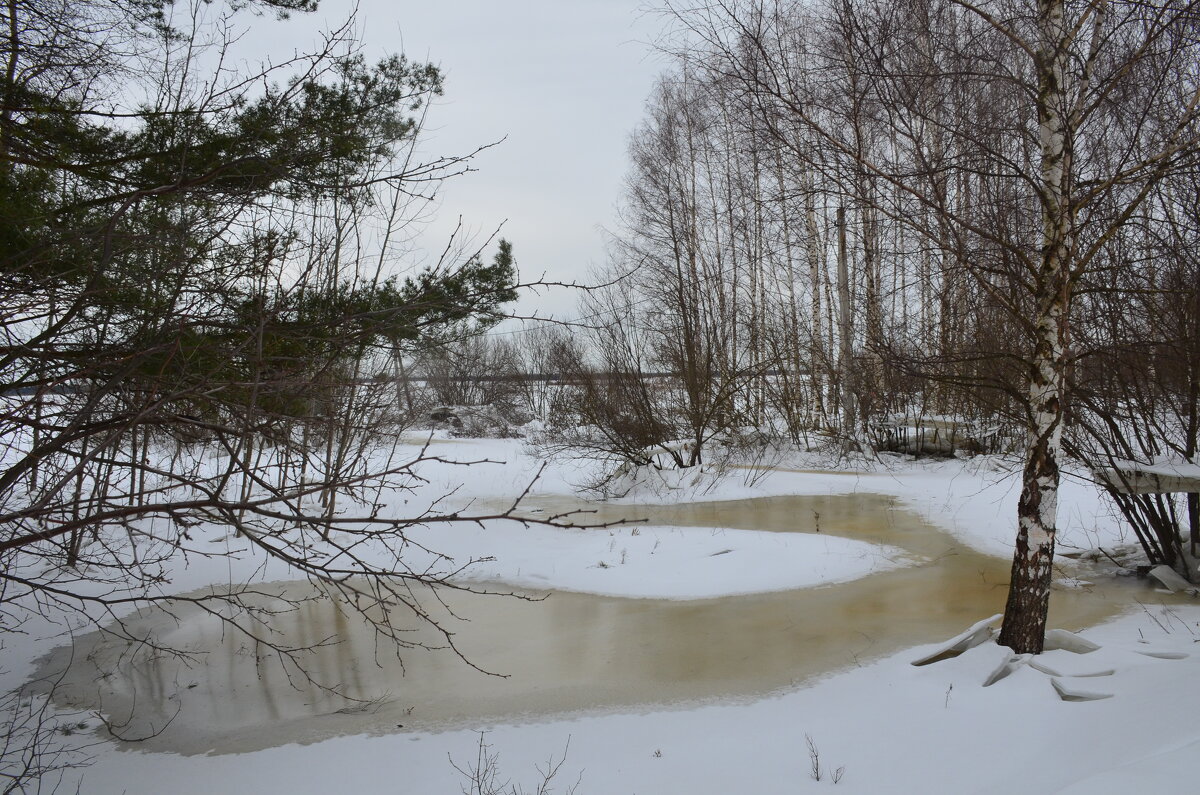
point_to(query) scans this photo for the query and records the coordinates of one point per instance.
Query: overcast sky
(562, 81)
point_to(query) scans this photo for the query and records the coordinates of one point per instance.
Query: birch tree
(1082, 55)
(1054, 120)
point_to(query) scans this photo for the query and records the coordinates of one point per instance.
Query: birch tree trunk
(845, 334)
(818, 359)
(1029, 590)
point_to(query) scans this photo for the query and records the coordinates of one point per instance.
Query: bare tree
(1020, 139)
(1137, 377)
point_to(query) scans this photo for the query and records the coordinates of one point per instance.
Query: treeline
(981, 212)
(841, 194)
(978, 212)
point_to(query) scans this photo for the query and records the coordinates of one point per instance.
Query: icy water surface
(565, 653)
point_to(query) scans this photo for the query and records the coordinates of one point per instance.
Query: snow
(1171, 580)
(643, 561)
(888, 725)
(975, 635)
(1172, 468)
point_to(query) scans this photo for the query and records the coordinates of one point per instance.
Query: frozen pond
(567, 653)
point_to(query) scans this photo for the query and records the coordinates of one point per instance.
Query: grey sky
(563, 81)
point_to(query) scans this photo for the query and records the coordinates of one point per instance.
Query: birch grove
(851, 217)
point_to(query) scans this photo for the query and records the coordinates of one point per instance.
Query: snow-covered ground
(886, 725)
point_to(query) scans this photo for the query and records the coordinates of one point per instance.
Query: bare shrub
(483, 776)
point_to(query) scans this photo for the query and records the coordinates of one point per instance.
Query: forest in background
(924, 227)
(855, 227)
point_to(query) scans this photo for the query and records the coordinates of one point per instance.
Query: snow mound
(1067, 641)
(1068, 693)
(654, 562)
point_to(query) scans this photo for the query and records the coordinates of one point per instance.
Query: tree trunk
(1029, 586)
(1029, 589)
(846, 332)
(817, 359)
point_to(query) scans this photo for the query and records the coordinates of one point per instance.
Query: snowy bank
(974, 498)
